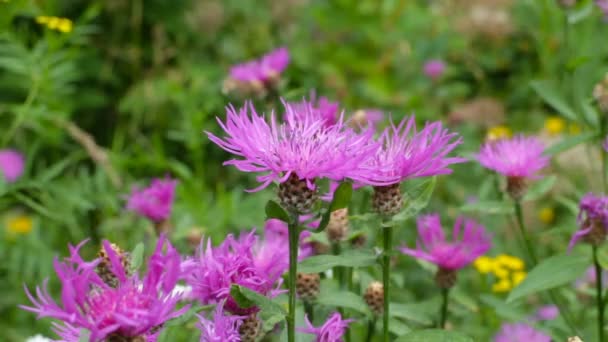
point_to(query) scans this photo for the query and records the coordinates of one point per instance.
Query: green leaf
(570, 142)
(247, 298)
(344, 299)
(435, 335)
(320, 263)
(187, 316)
(550, 273)
(137, 256)
(416, 199)
(549, 92)
(489, 207)
(538, 189)
(275, 211)
(502, 309)
(341, 199)
(411, 313)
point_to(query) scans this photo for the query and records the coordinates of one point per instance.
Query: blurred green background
(115, 92)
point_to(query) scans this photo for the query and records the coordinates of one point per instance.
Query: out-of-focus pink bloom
(593, 215)
(323, 109)
(263, 69)
(519, 156)
(603, 5)
(434, 68)
(154, 202)
(547, 313)
(222, 327)
(589, 278)
(519, 332)
(134, 308)
(331, 331)
(12, 164)
(605, 145)
(466, 245)
(276, 232)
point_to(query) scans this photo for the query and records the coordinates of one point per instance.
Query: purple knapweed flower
(222, 327)
(213, 271)
(12, 164)
(519, 332)
(603, 5)
(302, 147)
(134, 308)
(331, 331)
(589, 278)
(432, 245)
(592, 220)
(605, 145)
(323, 109)
(434, 68)
(154, 202)
(276, 233)
(261, 70)
(547, 313)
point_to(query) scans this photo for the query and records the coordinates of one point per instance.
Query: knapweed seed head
(154, 202)
(331, 331)
(134, 310)
(12, 164)
(374, 297)
(469, 241)
(308, 286)
(104, 268)
(338, 226)
(250, 328)
(592, 220)
(519, 332)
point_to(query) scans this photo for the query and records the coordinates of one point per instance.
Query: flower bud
(307, 286)
(374, 297)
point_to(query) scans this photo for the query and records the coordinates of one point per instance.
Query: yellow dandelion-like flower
(518, 277)
(498, 132)
(510, 262)
(504, 285)
(42, 19)
(546, 215)
(484, 264)
(20, 224)
(500, 271)
(555, 125)
(63, 25)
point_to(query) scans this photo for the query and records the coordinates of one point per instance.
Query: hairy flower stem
(443, 315)
(598, 296)
(293, 272)
(386, 276)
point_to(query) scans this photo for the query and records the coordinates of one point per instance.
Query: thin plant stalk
(598, 296)
(386, 276)
(443, 314)
(371, 328)
(309, 310)
(293, 271)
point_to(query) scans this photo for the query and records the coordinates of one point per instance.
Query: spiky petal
(519, 156)
(222, 327)
(592, 220)
(331, 331)
(154, 202)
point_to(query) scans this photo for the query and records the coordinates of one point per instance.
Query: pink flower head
(593, 214)
(222, 327)
(434, 68)
(276, 241)
(408, 153)
(322, 108)
(261, 70)
(519, 332)
(134, 308)
(154, 202)
(303, 145)
(547, 313)
(331, 331)
(433, 246)
(12, 164)
(519, 156)
(214, 270)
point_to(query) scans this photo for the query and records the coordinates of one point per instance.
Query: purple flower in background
(605, 145)
(592, 220)
(589, 278)
(302, 148)
(214, 270)
(133, 308)
(154, 202)
(547, 313)
(434, 68)
(276, 240)
(408, 153)
(261, 70)
(331, 331)
(322, 108)
(12, 164)
(519, 156)
(222, 327)
(519, 332)
(466, 245)
(603, 5)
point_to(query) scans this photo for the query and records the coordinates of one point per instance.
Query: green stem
(443, 315)
(524, 234)
(338, 271)
(599, 301)
(309, 310)
(386, 276)
(293, 272)
(371, 327)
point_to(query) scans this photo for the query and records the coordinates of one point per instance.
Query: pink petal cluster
(274, 249)
(519, 156)
(302, 145)
(135, 308)
(215, 269)
(434, 68)
(322, 108)
(263, 69)
(467, 244)
(593, 210)
(404, 153)
(154, 202)
(222, 327)
(331, 331)
(519, 332)
(12, 164)
(547, 313)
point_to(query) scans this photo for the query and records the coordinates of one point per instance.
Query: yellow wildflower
(484, 264)
(510, 262)
(500, 271)
(498, 132)
(518, 277)
(20, 224)
(546, 215)
(504, 285)
(555, 125)
(55, 23)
